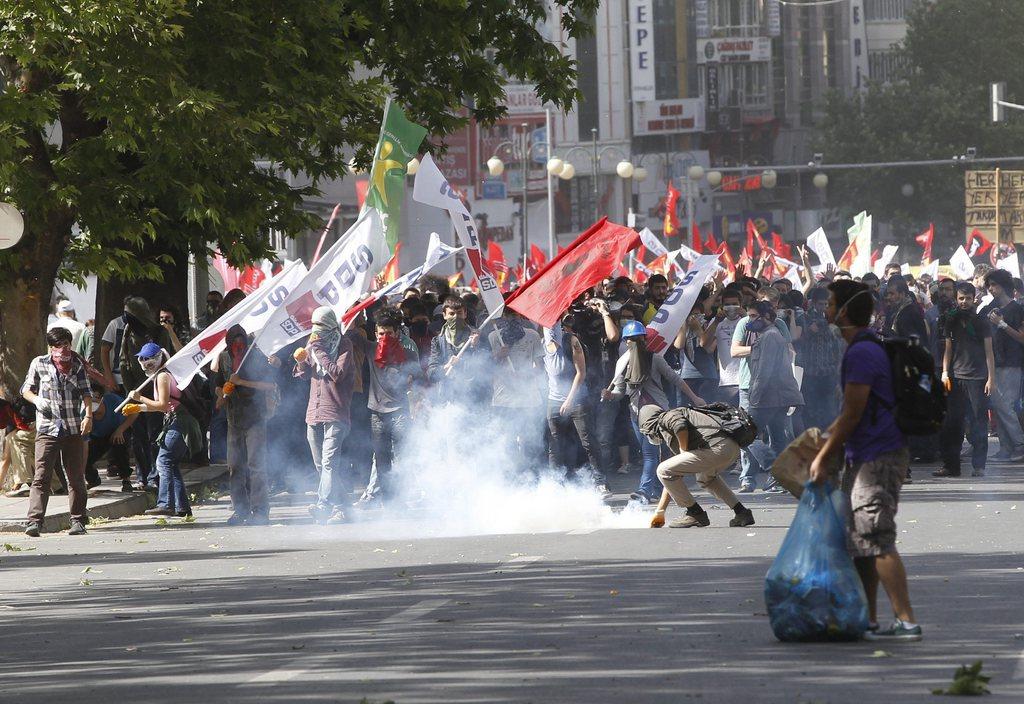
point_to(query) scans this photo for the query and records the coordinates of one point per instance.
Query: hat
(150, 349)
(65, 306)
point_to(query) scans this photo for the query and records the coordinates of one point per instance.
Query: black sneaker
(743, 519)
(77, 528)
(945, 473)
(158, 511)
(897, 632)
(126, 487)
(33, 529)
(236, 519)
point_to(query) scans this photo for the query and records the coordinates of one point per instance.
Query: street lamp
(624, 169)
(521, 148)
(820, 180)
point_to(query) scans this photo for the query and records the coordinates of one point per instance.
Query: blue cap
(150, 349)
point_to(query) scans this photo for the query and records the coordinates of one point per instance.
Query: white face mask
(151, 365)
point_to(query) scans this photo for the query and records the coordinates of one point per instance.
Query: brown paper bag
(792, 467)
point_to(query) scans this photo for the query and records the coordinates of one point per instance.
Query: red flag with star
(590, 258)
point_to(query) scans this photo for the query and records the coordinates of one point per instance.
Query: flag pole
(458, 355)
(323, 236)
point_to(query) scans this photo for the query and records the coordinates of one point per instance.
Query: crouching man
(701, 446)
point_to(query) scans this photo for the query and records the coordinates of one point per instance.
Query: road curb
(131, 505)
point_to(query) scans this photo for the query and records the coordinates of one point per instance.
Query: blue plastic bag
(812, 590)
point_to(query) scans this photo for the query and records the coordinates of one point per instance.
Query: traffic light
(998, 96)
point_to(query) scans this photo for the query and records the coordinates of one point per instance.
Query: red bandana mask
(389, 352)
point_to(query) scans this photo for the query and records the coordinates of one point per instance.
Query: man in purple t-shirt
(876, 459)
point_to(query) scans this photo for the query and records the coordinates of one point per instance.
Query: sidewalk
(105, 501)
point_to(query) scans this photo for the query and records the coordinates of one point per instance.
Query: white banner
(252, 314)
(883, 261)
(1011, 264)
(672, 314)
(431, 188)
(652, 243)
(641, 49)
(817, 242)
(341, 276)
(962, 265)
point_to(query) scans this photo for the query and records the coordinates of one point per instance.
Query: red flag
(641, 254)
(770, 270)
(747, 261)
(977, 244)
(591, 257)
(697, 245)
(780, 247)
(875, 256)
(926, 239)
(518, 273)
(389, 274)
(726, 256)
(751, 231)
(536, 261)
(660, 265)
(496, 258)
(362, 187)
(711, 244)
(671, 219)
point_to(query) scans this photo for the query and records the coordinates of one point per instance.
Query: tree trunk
(23, 310)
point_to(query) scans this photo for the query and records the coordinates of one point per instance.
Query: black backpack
(920, 397)
(735, 423)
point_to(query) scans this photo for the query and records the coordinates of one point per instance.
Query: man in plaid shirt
(58, 387)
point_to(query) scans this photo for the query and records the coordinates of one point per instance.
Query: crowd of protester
(342, 404)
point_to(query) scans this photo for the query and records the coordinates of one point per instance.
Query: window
(746, 85)
(736, 18)
(886, 10)
(886, 66)
(667, 66)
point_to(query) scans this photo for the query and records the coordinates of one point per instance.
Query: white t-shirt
(728, 368)
(112, 336)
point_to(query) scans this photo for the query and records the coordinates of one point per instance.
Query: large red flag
(697, 245)
(671, 219)
(926, 239)
(711, 244)
(536, 261)
(977, 244)
(591, 257)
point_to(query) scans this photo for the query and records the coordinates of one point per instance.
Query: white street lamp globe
(624, 169)
(907, 190)
(696, 172)
(769, 178)
(554, 165)
(567, 172)
(820, 180)
(640, 173)
(413, 166)
(495, 166)
(714, 178)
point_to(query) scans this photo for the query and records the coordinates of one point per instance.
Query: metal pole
(593, 171)
(997, 212)
(689, 212)
(526, 172)
(551, 191)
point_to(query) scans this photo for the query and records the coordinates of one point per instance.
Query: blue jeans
(171, 493)
(759, 456)
(325, 443)
(650, 485)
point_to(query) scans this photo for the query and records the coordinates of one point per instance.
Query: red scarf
(237, 349)
(62, 360)
(389, 352)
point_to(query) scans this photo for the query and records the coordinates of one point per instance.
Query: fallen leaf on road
(85, 582)
(90, 569)
(130, 649)
(613, 592)
(881, 654)
(160, 522)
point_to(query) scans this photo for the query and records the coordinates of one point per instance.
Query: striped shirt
(63, 394)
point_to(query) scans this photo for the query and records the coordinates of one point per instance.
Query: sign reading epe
(641, 49)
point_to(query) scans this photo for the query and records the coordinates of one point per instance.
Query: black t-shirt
(968, 331)
(1008, 352)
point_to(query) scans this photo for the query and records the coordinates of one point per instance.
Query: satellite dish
(12, 226)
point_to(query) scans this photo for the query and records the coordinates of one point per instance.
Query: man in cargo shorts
(877, 459)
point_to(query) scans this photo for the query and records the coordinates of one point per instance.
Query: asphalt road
(385, 610)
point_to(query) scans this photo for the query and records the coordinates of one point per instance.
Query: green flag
(399, 142)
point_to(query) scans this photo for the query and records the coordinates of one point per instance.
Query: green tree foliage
(953, 50)
(165, 108)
